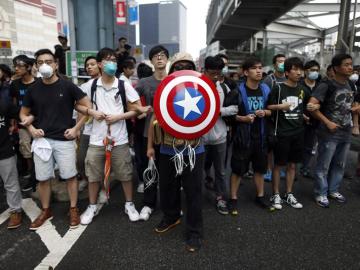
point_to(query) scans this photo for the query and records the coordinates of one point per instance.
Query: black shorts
(241, 158)
(289, 149)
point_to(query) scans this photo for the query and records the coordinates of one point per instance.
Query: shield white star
(189, 104)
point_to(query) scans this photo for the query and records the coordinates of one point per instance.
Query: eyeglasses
(48, 62)
(183, 67)
(110, 60)
(160, 55)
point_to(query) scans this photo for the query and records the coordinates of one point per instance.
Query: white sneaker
(276, 201)
(102, 199)
(131, 211)
(82, 184)
(140, 188)
(145, 213)
(88, 215)
(322, 201)
(292, 201)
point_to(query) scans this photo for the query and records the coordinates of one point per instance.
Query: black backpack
(121, 93)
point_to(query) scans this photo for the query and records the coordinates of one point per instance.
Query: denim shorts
(63, 154)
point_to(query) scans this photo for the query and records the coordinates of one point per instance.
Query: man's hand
(151, 153)
(306, 119)
(99, 116)
(311, 107)
(332, 126)
(260, 113)
(71, 133)
(145, 109)
(284, 106)
(27, 120)
(112, 118)
(355, 131)
(36, 133)
(246, 119)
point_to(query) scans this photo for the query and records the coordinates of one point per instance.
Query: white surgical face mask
(354, 77)
(46, 71)
(313, 75)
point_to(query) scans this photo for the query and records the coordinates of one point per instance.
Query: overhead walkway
(251, 25)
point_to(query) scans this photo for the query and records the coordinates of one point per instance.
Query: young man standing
(8, 170)
(272, 80)
(52, 100)
(190, 178)
(128, 69)
(146, 87)
(336, 97)
(110, 114)
(215, 140)
(287, 102)
(311, 71)
(249, 142)
(18, 88)
(279, 72)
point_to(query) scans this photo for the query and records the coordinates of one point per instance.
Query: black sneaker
(164, 226)
(193, 244)
(222, 207)
(262, 202)
(209, 183)
(29, 185)
(232, 206)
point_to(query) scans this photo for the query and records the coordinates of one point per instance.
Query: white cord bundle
(178, 159)
(151, 174)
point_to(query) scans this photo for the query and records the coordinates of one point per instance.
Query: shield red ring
(204, 105)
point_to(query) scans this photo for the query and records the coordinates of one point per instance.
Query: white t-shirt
(88, 124)
(106, 103)
(125, 79)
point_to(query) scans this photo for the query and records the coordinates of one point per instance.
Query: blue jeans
(330, 166)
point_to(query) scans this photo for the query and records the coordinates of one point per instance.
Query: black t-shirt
(255, 102)
(336, 105)
(7, 111)
(289, 122)
(53, 105)
(18, 90)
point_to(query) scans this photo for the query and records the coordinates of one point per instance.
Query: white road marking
(58, 246)
(4, 216)
(62, 247)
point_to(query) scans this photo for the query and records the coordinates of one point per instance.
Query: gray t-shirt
(147, 87)
(271, 80)
(336, 100)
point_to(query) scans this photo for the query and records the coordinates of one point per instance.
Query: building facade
(29, 24)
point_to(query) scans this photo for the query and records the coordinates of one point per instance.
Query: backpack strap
(121, 92)
(93, 90)
(244, 98)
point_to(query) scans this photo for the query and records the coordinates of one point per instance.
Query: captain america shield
(186, 104)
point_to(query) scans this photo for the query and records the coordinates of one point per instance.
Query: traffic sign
(80, 57)
(187, 104)
(5, 48)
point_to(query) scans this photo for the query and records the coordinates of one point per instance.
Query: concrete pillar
(94, 24)
(265, 39)
(341, 45)
(322, 47)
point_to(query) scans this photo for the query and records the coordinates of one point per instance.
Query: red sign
(121, 12)
(186, 104)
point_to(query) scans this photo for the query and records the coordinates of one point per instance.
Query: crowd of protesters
(268, 125)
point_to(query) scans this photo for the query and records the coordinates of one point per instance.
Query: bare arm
(317, 114)
(150, 144)
(24, 117)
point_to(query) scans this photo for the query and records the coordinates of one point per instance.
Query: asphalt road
(310, 238)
